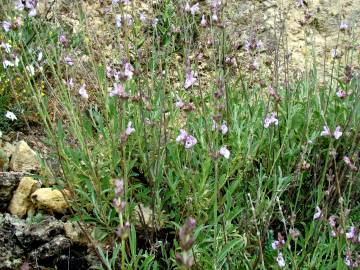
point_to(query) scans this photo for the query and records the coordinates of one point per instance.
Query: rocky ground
(35, 230)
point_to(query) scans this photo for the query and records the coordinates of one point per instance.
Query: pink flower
(351, 233)
(69, 83)
(337, 133)
(318, 213)
(83, 93)
(190, 79)
(117, 90)
(186, 139)
(130, 129)
(271, 120)
(326, 131)
(341, 93)
(203, 22)
(6, 25)
(224, 152)
(128, 71)
(179, 103)
(280, 260)
(332, 221)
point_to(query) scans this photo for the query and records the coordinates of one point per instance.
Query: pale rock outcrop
(24, 159)
(20, 202)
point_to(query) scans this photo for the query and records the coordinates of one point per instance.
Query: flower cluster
(271, 119)
(327, 132)
(187, 140)
(185, 258)
(119, 204)
(277, 245)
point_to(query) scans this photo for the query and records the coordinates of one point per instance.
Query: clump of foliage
(263, 173)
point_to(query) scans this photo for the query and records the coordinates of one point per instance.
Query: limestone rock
(24, 159)
(52, 249)
(51, 200)
(144, 216)
(31, 235)
(8, 183)
(20, 202)
(10, 251)
(74, 233)
(8, 149)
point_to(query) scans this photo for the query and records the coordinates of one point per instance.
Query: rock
(8, 183)
(8, 149)
(32, 235)
(74, 233)
(20, 202)
(3, 160)
(40, 244)
(51, 200)
(24, 159)
(144, 216)
(46, 253)
(10, 251)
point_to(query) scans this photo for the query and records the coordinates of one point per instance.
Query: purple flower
(224, 152)
(326, 132)
(280, 260)
(332, 221)
(351, 233)
(224, 128)
(6, 25)
(129, 129)
(69, 61)
(19, 5)
(83, 93)
(63, 40)
(119, 187)
(271, 119)
(337, 133)
(188, 140)
(117, 90)
(343, 26)
(30, 4)
(142, 17)
(190, 79)
(318, 213)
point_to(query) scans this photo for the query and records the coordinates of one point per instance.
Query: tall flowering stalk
(119, 204)
(187, 239)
